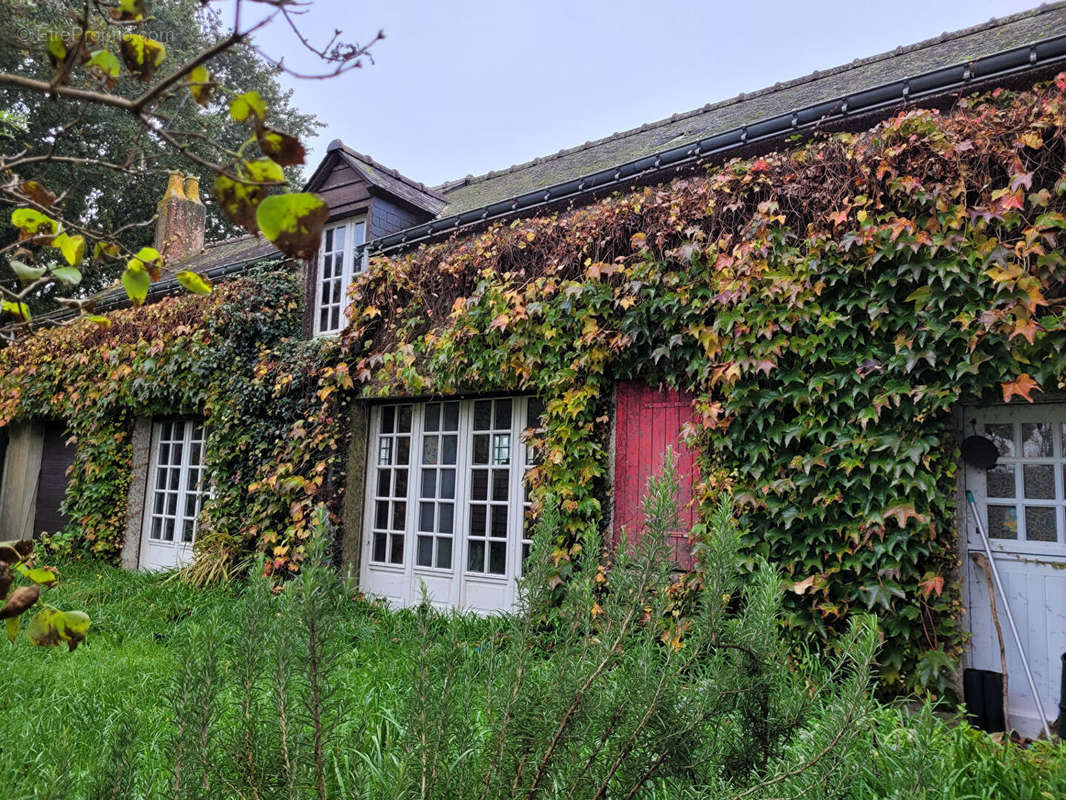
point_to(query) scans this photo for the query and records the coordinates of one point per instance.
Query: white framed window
(176, 489)
(447, 502)
(336, 269)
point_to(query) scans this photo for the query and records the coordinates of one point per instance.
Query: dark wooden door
(648, 421)
(56, 458)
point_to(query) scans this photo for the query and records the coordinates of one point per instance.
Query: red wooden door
(647, 422)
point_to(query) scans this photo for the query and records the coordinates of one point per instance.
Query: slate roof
(384, 178)
(216, 259)
(948, 49)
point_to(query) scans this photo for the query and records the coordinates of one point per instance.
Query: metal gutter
(937, 82)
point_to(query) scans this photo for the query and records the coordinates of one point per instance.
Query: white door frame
(454, 587)
(1033, 571)
(156, 552)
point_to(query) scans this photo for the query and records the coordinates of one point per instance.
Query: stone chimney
(179, 226)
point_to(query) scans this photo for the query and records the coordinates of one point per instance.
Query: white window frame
(355, 230)
(192, 485)
(400, 582)
(977, 480)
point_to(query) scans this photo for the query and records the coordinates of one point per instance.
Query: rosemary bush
(593, 700)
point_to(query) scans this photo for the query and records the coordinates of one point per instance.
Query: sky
(467, 86)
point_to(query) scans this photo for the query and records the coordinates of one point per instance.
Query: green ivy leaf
(12, 625)
(148, 259)
(293, 222)
(194, 282)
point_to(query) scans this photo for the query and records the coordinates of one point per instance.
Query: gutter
(1042, 53)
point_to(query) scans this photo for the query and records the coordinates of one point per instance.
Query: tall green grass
(97, 723)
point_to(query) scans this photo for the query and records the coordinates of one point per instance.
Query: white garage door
(1022, 501)
(446, 502)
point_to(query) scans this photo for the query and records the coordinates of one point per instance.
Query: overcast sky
(466, 86)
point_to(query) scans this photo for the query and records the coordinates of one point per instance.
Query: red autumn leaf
(499, 323)
(1022, 386)
(932, 585)
(1028, 330)
(903, 512)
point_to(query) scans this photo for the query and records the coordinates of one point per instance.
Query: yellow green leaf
(248, 104)
(136, 281)
(105, 66)
(194, 282)
(18, 309)
(12, 625)
(200, 84)
(72, 248)
(293, 222)
(142, 55)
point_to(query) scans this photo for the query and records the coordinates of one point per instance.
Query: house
(421, 401)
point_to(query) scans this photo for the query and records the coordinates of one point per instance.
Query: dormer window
(336, 267)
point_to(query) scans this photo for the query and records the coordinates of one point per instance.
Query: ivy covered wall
(829, 304)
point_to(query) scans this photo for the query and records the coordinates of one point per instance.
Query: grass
(65, 717)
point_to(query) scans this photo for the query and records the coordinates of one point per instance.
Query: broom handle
(1006, 608)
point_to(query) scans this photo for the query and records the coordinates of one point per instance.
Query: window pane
(503, 413)
(383, 482)
(186, 533)
(380, 542)
(444, 553)
(399, 516)
(429, 483)
(500, 480)
(404, 419)
(400, 489)
(482, 415)
(1000, 481)
(498, 557)
(403, 450)
(388, 419)
(451, 444)
(475, 559)
(501, 448)
(433, 417)
(385, 451)
(338, 238)
(447, 515)
(157, 527)
(481, 449)
(451, 416)
(168, 530)
(1002, 522)
(1039, 481)
(1036, 440)
(499, 522)
(1003, 436)
(1040, 524)
(447, 483)
(425, 517)
(396, 553)
(430, 452)
(534, 410)
(425, 551)
(381, 518)
(477, 521)
(479, 484)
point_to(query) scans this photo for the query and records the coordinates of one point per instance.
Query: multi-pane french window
(446, 495)
(337, 263)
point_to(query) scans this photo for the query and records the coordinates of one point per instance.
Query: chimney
(179, 226)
